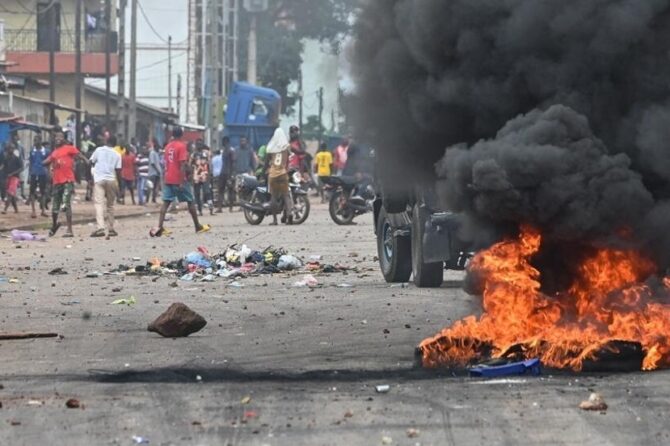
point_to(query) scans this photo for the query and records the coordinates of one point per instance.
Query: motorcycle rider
(357, 167)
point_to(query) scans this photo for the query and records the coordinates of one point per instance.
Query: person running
(62, 161)
(39, 176)
(340, 159)
(176, 184)
(13, 166)
(128, 175)
(323, 167)
(276, 162)
(106, 173)
(142, 163)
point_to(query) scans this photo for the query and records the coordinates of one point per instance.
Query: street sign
(256, 5)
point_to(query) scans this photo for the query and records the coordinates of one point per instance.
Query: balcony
(29, 49)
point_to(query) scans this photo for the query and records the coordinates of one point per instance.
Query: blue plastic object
(529, 367)
(196, 258)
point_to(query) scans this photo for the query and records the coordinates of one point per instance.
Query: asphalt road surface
(276, 365)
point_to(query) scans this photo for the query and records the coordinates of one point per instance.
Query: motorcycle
(349, 198)
(256, 200)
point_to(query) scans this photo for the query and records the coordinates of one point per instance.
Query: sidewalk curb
(81, 221)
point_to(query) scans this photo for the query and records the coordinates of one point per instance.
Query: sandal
(203, 229)
(98, 233)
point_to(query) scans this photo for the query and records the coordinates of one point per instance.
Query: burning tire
(426, 275)
(394, 252)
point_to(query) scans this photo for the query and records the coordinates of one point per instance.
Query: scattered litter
(236, 284)
(129, 301)
(387, 440)
(140, 440)
(187, 277)
(35, 403)
(398, 285)
(72, 403)
(197, 259)
(68, 246)
(16, 336)
(413, 433)
(307, 281)
(93, 275)
(383, 388)
(250, 414)
(348, 414)
(246, 400)
(14, 281)
(288, 263)
(345, 285)
(3, 280)
(136, 259)
(595, 402)
(57, 272)
(70, 303)
(529, 367)
(177, 321)
(208, 278)
(25, 236)
(198, 378)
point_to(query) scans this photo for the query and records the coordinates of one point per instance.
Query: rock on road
(275, 365)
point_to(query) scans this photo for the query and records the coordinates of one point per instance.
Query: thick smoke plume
(553, 112)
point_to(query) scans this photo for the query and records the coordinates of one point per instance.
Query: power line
(146, 19)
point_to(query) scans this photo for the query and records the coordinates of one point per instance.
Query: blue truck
(251, 112)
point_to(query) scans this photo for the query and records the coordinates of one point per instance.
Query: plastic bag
(198, 259)
(307, 281)
(25, 236)
(288, 263)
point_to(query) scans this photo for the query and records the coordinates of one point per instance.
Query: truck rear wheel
(426, 275)
(394, 252)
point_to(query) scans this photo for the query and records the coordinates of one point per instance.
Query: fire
(607, 302)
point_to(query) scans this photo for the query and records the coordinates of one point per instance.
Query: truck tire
(394, 252)
(426, 275)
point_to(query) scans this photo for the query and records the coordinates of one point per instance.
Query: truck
(251, 112)
(416, 237)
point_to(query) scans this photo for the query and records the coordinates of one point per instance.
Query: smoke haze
(553, 112)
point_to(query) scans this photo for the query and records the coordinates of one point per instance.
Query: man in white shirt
(106, 172)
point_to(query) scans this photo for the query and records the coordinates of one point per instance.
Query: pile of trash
(236, 262)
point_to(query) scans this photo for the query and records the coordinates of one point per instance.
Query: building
(31, 29)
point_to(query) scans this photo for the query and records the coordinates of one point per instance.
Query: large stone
(177, 321)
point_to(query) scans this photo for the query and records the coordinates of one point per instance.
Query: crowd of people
(192, 173)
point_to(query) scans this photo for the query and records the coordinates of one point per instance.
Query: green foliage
(281, 32)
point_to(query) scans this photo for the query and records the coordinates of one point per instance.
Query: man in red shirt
(62, 161)
(177, 185)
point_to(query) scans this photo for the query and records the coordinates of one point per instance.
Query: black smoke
(553, 112)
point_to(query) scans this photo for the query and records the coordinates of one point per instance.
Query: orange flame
(606, 302)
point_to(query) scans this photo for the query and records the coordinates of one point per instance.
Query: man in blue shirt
(39, 176)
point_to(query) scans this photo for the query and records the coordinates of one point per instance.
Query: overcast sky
(171, 18)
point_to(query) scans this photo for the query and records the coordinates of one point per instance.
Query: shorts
(172, 192)
(62, 197)
(38, 181)
(128, 184)
(12, 186)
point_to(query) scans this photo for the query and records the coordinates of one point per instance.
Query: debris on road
(246, 400)
(490, 370)
(383, 388)
(595, 403)
(26, 236)
(387, 440)
(177, 321)
(140, 440)
(129, 301)
(307, 281)
(413, 433)
(234, 263)
(16, 336)
(72, 403)
(57, 272)
(35, 403)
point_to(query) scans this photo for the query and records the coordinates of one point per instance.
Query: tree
(281, 32)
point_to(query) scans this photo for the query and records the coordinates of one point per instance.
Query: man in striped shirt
(142, 163)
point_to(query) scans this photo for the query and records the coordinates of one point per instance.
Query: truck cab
(251, 112)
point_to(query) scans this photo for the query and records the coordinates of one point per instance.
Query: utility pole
(170, 73)
(132, 112)
(320, 115)
(52, 64)
(251, 62)
(179, 96)
(121, 86)
(300, 98)
(108, 60)
(77, 67)
(211, 72)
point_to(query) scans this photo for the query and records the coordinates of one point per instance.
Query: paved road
(276, 365)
